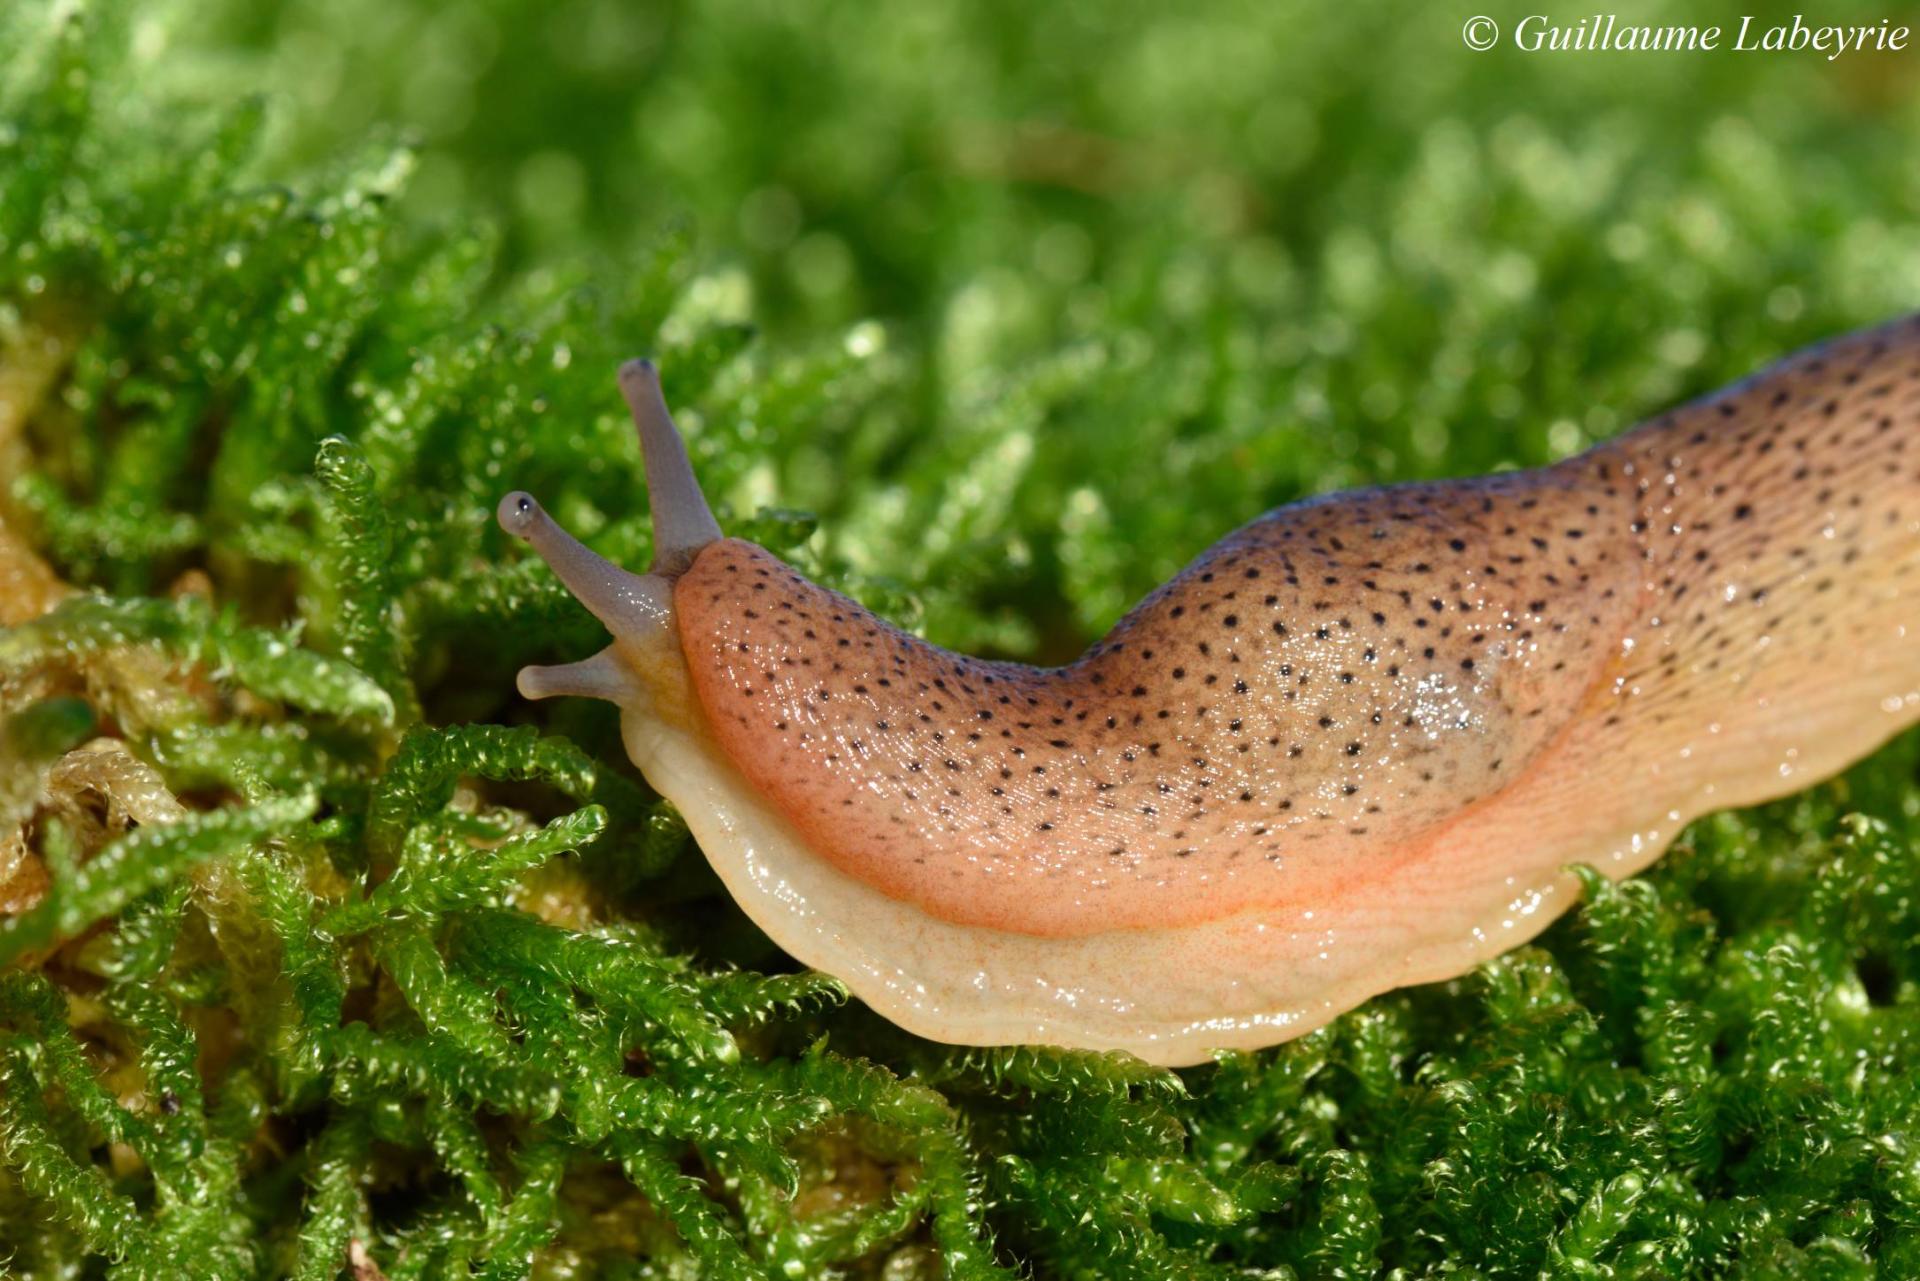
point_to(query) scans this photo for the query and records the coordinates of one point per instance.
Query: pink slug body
(1355, 745)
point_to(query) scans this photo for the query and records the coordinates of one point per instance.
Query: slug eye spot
(517, 513)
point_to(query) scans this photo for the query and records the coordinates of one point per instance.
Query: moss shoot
(323, 955)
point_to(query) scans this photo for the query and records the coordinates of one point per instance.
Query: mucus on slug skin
(1354, 745)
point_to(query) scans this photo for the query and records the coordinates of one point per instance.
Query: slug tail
(682, 521)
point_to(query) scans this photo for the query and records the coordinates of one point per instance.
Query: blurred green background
(910, 159)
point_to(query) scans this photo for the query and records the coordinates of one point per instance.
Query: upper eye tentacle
(682, 521)
(633, 606)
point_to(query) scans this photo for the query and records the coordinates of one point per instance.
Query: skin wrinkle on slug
(1353, 745)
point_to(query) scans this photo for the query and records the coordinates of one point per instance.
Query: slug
(1354, 745)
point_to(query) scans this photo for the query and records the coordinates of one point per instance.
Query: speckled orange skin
(1717, 608)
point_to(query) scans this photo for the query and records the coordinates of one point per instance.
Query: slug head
(642, 670)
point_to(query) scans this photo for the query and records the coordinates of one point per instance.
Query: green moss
(429, 969)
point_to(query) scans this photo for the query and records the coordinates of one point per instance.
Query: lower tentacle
(602, 676)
